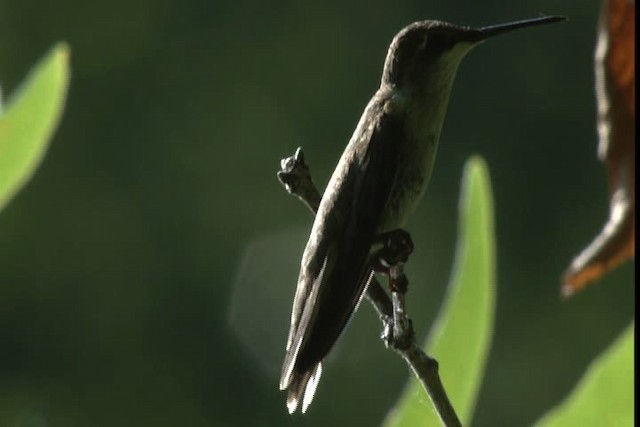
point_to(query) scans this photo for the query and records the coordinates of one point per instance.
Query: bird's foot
(389, 260)
(396, 248)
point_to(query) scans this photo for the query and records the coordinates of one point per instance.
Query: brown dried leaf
(615, 90)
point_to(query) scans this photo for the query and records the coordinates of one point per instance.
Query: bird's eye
(424, 42)
(436, 42)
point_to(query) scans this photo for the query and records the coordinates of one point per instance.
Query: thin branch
(398, 334)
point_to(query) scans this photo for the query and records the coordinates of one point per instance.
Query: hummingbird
(377, 183)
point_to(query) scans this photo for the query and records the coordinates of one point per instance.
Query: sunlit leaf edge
(595, 400)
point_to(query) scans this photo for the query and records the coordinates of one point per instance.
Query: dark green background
(147, 271)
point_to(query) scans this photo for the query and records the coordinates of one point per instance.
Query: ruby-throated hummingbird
(377, 183)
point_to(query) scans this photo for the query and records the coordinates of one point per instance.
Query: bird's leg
(389, 260)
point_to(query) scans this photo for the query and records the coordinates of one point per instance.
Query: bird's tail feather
(303, 383)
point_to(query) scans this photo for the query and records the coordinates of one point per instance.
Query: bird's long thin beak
(486, 32)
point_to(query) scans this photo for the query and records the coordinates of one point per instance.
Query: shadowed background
(147, 271)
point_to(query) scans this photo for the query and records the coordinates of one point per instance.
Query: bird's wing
(334, 265)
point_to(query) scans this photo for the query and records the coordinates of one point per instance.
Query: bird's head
(429, 52)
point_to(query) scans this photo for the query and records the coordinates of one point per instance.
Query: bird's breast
(423, 116)
(416, 158)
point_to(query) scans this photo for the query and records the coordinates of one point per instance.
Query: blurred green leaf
(605, 395)
(29, 120)
(461, 337)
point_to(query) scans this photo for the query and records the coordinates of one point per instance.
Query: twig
(398, 333)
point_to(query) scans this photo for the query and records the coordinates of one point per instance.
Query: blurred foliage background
(147, 271)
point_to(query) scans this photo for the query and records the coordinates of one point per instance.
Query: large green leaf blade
(605, 394)
(461, 338)
(29, 120)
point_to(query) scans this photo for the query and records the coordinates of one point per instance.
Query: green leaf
(29, 120)
(461, 338)
(604, 395)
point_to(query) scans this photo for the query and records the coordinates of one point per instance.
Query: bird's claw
(396, 248)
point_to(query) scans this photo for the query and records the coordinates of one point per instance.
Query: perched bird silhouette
(376, 185)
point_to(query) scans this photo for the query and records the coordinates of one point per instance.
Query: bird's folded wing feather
(334, 266)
